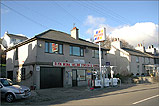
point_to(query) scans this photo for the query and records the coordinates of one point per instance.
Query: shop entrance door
(74, 78)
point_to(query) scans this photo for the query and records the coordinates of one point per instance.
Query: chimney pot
(74, 33)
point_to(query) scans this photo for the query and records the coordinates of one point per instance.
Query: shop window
(95, 54)
(81, 75)
(76, 51)
(23, 73)
(53, 48)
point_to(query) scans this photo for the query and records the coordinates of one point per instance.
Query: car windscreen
(6, 82)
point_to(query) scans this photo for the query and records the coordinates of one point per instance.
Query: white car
(11, 92)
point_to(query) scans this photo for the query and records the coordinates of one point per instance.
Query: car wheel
(10, 97)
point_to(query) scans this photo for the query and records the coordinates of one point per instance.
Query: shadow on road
(55, 96)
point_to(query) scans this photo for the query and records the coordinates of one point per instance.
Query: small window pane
(81, 74)
(76, 51)
(16, 54)
(23, 73)
(60, 49)
(96, 54)
(93, 53)
(82, 52)
(46, 47)
(71, 50)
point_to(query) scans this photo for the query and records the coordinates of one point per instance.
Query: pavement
(124, 95)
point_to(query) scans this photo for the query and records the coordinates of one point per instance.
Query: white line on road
(145, 99)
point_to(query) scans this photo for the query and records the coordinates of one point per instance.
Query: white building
(9, 40)
(131, 60)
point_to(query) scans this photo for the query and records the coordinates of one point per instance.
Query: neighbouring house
(127, 60)
(53, 59)
(9, 40)
(2, 60)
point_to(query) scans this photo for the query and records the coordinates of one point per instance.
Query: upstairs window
(95, 54)
(53, 48)
(13, 40)
(76, 51)
(16, 54)
(137, 59)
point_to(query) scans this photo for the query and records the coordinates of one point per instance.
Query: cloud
(90, 31)
(94, 21)
(146, 31)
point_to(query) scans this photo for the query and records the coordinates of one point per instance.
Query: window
(81, 74)
(149, 60)
(13, 40)
(76, 51)
(137, 59)
(53, 48)
(46, 47)
(21, 40)
(16, 54)
(23, 73)
(138, 68)
(95, 54)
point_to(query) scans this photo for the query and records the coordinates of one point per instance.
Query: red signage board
(63, 64)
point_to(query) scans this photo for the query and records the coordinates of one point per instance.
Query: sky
(134, 21)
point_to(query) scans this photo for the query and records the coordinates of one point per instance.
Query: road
(126, 95)
(142, 95)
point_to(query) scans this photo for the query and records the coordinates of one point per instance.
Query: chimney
(151, 49)
(140, 47)
(6, 32)
(74, 33)
(117, 43)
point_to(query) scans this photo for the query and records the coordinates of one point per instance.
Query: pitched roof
(137, 52)
(65, 38)
(19, 36)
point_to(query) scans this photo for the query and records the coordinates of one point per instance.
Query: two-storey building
(129, 60)
(53, 59)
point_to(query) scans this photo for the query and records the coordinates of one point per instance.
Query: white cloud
(89, 31)
(135, 34)
(94, 21)
(147, 32)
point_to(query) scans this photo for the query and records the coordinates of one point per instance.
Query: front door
(74, 78)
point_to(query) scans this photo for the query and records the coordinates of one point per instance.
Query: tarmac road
(126, 95)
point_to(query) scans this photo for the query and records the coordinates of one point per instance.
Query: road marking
(145, 99)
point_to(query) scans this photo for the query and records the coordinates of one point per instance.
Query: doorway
(74, 77)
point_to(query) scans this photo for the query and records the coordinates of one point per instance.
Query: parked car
(10, 92)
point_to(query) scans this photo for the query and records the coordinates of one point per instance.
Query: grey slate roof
(137, 52)
(65, 38)
(19, 36)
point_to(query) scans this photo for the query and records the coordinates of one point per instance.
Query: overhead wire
(94, 8)
(110, 11)
(52, 20)
(44, 26)
(70, 15)
(88, 6)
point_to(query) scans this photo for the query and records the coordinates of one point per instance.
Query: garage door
(51, 77)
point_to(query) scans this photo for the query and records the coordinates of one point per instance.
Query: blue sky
(34, 17)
